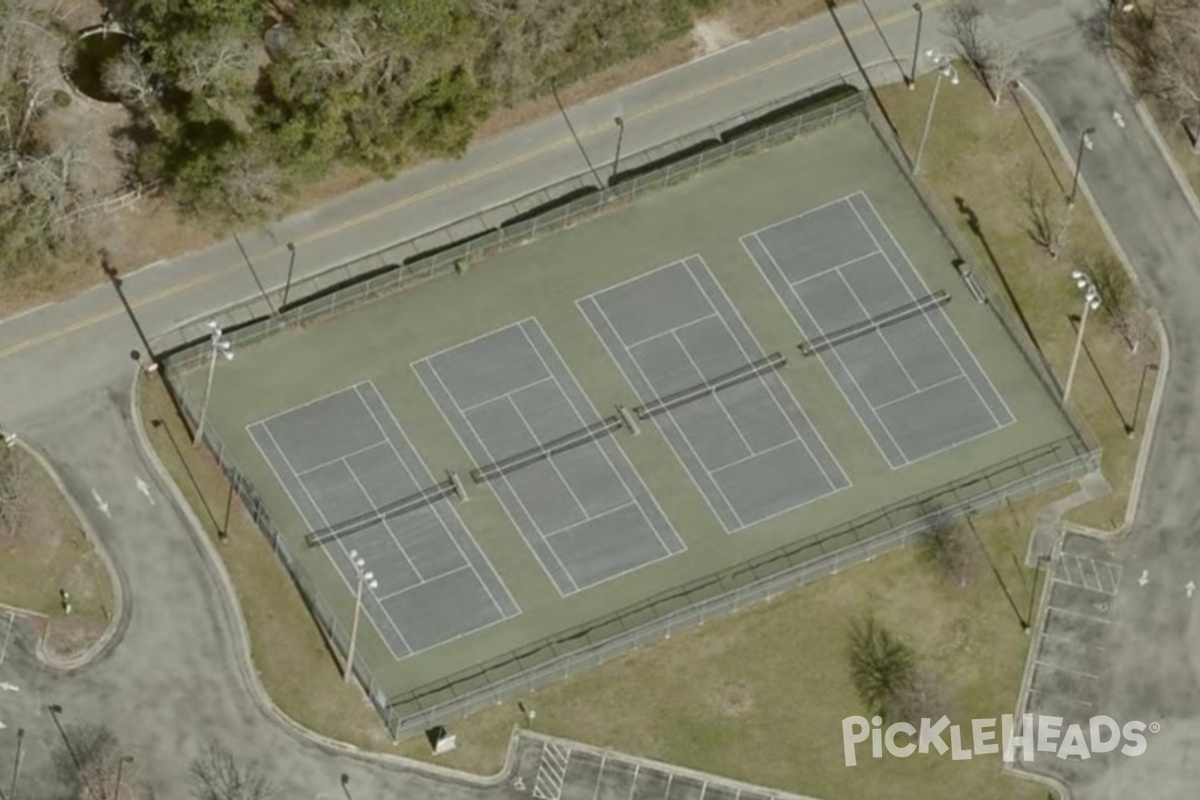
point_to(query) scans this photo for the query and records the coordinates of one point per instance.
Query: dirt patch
(746, 19)
(712, 35)
(732, 699)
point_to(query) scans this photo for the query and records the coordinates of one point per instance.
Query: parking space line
(1066, 669)
(1045, 635)
(1068, 612)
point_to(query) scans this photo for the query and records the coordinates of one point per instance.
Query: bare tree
(1124, 308)
(129, 79)
(947, 549)
(921, 698)
(996, 64)
(1041, 227)
(93, 766)
(217, 775)
(1164, 47)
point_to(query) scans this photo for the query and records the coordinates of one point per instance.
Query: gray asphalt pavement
(1145, 650)
(177, 672)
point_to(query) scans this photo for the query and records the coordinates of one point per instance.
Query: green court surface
(512, 353)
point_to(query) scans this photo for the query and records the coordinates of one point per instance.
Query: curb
(118, 589)
(231, 606)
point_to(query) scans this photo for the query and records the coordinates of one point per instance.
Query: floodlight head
(353, 555)
(227, 353)
(212, 324)
(1088, 142)
(1081, 283)
(1094, 303)
(953, 76)
(368, 576)
(1077, 274)
(931, 54)
(373, 585)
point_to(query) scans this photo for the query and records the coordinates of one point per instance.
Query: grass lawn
(993, 160)
(47, 553)
(760, 695)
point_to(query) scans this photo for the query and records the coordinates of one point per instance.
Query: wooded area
(233, 103)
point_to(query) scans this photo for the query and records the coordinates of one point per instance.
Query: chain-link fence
(532, 216)
(542, 212)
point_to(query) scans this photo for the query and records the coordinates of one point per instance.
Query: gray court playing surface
(344, 457)
(749, 448)
(914, 384)
(585, 512)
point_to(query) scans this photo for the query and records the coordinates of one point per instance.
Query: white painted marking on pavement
(144, 488)
(9, 687)
(1145, 578)
(1190, 588)
(101, 504)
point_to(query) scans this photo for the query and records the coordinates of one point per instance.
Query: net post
(460, 488)
(628, 419)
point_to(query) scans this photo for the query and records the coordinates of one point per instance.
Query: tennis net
(577, 438)
(891, 317)
(711, 387)
(404, 505)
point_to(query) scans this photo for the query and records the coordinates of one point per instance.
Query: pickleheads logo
(1038, 734)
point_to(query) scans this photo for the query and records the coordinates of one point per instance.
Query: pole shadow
(1016, 96)
(832, 6)
(1087, 351)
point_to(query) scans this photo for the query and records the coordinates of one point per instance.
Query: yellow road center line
(433, 191)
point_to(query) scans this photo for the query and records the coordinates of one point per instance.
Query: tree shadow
(977, 229)
(1087, 351)
(1040, 227)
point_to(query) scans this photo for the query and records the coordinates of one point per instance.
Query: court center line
(925, 287)
(425, 582)
(506, 396)
(670, 331)
(386, 524)
(716, 397)
(600, 446)
(928, 388)
(537, 529)
(744, 459)
(651, 392)
(882, 336)
(574, 525)
(549, 459)
(349, 455)
(341, 546)
(821, 332)
(438, 510)
(763, 379)
(929, 322)
(475, 177)
(837, 268)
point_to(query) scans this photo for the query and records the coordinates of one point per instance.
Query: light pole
(220, 347)
(1091, 302)
(55, 710)
(1085, 143)
(944, 70)
(364, 579)
(118, 285)
(912, 81)
(582, 151)
(620, 135)
(120, 767)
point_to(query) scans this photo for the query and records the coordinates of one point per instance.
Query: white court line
(669, 331)
(434, 579)
(878, 330)
(438, 509)
(838, 268)
(305, 404)
(801, 215)
(840, 360)
(332, 461)
(671, 415)
(386, 524)
(700, 375)
(550, 460)
(626, 282)
(667, 552)
(762, 379)
(960, 376)
(574, 525)
(341, 545)
(925, 288)
(537, 529)
(633, 385)
(506, 396)
(744, 459)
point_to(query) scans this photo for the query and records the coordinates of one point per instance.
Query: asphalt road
(177, 672)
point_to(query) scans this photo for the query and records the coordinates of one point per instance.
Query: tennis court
(884, 338)
(740, 434)
(352, 473)
(552, 461)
